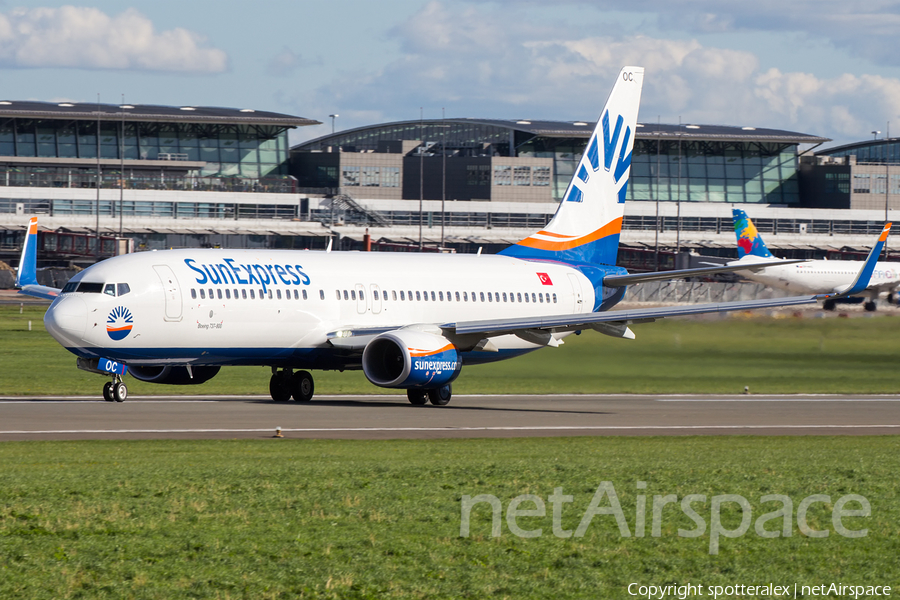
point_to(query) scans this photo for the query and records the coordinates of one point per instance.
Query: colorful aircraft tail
(587, 224)
(27, 274)
(748, 239)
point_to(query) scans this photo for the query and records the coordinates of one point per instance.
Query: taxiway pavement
(387, 417)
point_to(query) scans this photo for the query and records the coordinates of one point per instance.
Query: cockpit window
(90, 288)
(109, 289)
(69, 287)
(123, 288)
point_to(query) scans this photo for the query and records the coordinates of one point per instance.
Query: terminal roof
(147, 112)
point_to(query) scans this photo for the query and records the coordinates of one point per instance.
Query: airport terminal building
(183, 176)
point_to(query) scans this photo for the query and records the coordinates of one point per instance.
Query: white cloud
(481, 61)
(87, 38)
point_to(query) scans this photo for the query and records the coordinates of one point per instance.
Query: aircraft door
(361, 303)
(576, 293)
(376, 298)
(171, 290)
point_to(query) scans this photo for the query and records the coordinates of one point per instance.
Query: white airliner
(812, 276)
(409, 321)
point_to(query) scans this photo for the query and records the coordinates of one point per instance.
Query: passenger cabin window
(252, 294)
(193, 293)
(321, 294)
(202, 294)
(402, 295)
(278, 294)
(304, 295)
(338, 294)
(244, 294)
(394, 295)
(219, 294)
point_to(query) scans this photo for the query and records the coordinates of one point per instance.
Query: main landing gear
(286, 384)
(115, 390)
(438, 396)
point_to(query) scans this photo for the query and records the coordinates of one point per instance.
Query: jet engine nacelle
(411, 359)
(174, 375)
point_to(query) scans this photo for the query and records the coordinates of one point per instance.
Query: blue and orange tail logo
(748, 239)
(588, 222)
(119, 323)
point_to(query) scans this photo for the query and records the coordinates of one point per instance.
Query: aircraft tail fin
(26, 278)
(587, 224)
(748, 239)
(27, 274)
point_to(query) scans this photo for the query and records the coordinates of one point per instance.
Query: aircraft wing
(615, 322)
(601, 321)
(633, 278)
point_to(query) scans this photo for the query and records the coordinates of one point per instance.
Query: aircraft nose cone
(66, 319)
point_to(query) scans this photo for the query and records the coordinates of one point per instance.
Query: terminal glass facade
(692, 171)
(228, 150)
(880, 152)
(708, 171)
(689, 170)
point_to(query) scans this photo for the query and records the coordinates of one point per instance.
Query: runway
(389, 417)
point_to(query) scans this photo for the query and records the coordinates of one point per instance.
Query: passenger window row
(245, 294)
(426, 296)
(402, 295)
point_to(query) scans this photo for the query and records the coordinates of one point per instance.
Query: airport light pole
(658, 145)
(99, 181)
(333, 117)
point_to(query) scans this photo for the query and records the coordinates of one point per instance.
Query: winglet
(865, 273)
(27, 274)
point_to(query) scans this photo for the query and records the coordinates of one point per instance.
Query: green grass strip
(381, 519)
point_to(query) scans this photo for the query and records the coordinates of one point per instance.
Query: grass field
(788, 355)
(381, 519)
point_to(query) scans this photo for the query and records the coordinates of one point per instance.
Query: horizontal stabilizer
(40, 291)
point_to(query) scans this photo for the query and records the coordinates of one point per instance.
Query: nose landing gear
(115, 390)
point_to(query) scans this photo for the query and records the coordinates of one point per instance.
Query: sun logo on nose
(118, 323)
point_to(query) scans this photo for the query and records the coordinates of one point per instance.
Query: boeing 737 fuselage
(408, 321)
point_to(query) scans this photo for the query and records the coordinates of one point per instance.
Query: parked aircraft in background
(409, 321)
(812, 276)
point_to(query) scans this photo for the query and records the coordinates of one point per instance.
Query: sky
(824, 67)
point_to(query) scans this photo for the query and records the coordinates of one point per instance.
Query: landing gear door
(576, 293)
(171, 290)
